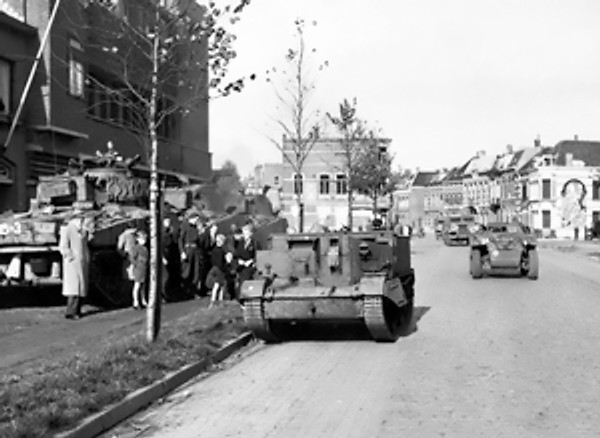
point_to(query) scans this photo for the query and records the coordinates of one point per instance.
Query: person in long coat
(191, 255)
(171, 279)
(73, 246)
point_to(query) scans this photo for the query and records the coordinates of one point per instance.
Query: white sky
(441, 78)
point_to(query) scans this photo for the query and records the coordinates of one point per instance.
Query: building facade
(71, 110)
(323, 185)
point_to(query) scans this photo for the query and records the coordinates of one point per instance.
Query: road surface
(496, 357)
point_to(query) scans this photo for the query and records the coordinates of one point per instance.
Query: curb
(113, 415)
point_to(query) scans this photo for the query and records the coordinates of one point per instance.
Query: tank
(108, 193)
(332, 279)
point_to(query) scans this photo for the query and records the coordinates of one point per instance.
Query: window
(524, 192)
(76, 79)
(276, 180)
(324, 184)
(546, 219)
(5, 81)
(596, 190)
(546, 192)
(341, 185)
(595, 217)
(93, 98)
(298, 184)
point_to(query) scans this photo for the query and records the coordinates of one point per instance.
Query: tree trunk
(374, 205)
(153, 309)
(350, 209)
(300, 206)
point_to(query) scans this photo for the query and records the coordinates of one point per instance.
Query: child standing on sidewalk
(139, 262)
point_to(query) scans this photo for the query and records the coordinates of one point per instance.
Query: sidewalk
(589, 249)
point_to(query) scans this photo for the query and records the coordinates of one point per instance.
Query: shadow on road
(336, 331)
(418, 313)
(30, 296)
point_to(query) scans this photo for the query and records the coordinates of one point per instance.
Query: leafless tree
(300, 125)
(166, 57)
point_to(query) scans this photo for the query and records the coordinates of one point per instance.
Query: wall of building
(571, 204)
(330, 209)
(56, 124)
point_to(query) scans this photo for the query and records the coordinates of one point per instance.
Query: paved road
(497, 357)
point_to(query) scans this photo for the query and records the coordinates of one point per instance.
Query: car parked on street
(502, 247)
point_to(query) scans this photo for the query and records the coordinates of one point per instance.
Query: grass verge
(56, 396)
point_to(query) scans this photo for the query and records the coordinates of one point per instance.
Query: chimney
(509, 148)
(537, 142)
(576, 138)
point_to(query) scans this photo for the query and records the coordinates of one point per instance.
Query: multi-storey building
(560, 190)
(70, 111)
(324, 188)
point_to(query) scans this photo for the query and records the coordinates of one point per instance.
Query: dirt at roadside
(32, 337)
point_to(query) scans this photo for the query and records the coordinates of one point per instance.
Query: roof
(480, 164)
(423, 179)
(584, 150)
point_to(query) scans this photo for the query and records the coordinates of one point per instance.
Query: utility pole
(34, 67)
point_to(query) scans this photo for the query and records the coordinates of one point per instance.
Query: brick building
(323, 184)
(69, 112)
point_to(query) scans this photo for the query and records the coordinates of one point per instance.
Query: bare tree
(164, 58)
(353, 134)
(301, 129)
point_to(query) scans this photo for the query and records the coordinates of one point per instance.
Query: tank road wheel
(386, 321)
(476, 266)
(534, 265)
(255, 321)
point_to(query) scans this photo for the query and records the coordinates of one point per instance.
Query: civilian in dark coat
(171, 262)
(245, 254)
(191, 256)
(216, 280)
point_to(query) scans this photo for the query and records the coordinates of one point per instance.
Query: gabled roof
(423, 179)
(480, 164)
(584, 150)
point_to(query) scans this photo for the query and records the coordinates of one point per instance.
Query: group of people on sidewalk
(212, 263)
(197, 260)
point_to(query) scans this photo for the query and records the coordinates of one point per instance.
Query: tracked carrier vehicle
(332, 279)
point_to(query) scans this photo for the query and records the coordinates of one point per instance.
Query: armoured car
(504, 248)
(457, 229)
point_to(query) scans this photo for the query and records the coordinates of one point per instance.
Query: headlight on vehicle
(453, 227)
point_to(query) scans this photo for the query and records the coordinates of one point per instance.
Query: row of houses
(553, 189)
(69, 111)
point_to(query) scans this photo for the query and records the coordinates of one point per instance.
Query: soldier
(191, 256)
